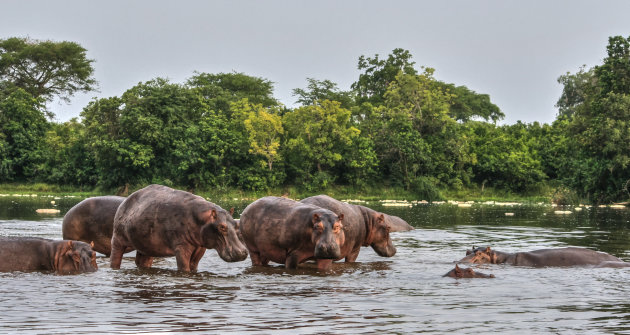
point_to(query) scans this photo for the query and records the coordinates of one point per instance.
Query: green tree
(467, 104)
(319, 90)
(46, 69)
(220, 90)
(22, 129)
(596, 105)
(68, 160)
(506, 156)
(379, 73)
(264, 129)
(318, 135)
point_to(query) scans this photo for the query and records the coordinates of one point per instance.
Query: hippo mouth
(327, 252)
(232, 254)
(388, 250)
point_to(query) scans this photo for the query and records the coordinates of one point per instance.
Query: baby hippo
(33, 254)
(458, 272)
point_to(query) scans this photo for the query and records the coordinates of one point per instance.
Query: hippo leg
(183, 256)
(118, 249)
(324, 264)
(196, 257)
(143, 261)
(352, 256)
(257, 260)
(292, 260)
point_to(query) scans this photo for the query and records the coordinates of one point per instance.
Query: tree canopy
(46, 69)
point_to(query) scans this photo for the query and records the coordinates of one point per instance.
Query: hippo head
(378, 236)
(75, 257)
(458, 272)
(327, 235)
(220, 232)
(480, 256)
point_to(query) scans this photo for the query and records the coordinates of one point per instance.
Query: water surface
(402, 294)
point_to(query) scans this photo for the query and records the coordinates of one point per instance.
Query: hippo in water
(458, 272)
(397, 224)
(570, 256)
(362, 226)
(36, 254)
(158, 221)
(92, 220)
(288, 232)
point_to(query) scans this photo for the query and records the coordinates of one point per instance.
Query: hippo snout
(327, 251)
(386, 249)
(233, 254)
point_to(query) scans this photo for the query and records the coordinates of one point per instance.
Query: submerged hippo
(570, 256)
(288, 232)
(397, 224)
(458, 272)
(92, 220)
(33, 253)
(158, 221)
(362, 226)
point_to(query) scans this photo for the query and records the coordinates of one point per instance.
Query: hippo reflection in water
(570, 256)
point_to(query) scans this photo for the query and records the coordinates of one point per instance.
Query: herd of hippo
(158, 221)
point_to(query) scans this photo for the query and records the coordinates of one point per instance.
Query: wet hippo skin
(159, 221)
(37, 254)
(362, 226)
(288, 232)
(570, 256)
(92, 220)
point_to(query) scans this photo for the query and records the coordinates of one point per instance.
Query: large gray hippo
(362, 226)
(570, 256)
(158, 221)
(92, 220)
(33, 254)
(288, 232)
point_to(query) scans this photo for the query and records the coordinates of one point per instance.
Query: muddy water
(403, 294)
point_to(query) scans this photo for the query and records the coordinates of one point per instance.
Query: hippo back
(92, 220)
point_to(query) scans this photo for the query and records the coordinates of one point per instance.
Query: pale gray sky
(512, 50)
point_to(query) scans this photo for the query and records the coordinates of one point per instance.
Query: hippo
(289, 232)
(397, 224)
(159, 221)
(92, 220)
(570, 256)
(362, 226)
(458, 272)
(37, 254)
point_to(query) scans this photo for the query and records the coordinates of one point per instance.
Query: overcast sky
(512, 50)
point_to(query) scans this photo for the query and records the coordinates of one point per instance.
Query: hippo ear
(232, 211)
(488, 250)
(69, 245)
(315, 217)
(340, 216)
(92, 244)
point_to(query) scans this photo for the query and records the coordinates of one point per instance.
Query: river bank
(339, 192)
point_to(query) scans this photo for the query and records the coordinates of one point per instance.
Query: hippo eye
(337, 227)
(223, 228)
(319, 226)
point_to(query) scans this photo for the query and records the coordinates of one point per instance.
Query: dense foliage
(396, 126)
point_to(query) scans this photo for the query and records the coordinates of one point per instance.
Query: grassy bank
(339, 192)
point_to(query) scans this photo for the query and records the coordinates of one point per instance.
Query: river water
(403, 294)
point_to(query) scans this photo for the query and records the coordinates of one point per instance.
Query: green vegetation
(397, 133)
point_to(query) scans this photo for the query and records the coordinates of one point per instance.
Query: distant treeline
(397, 126)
